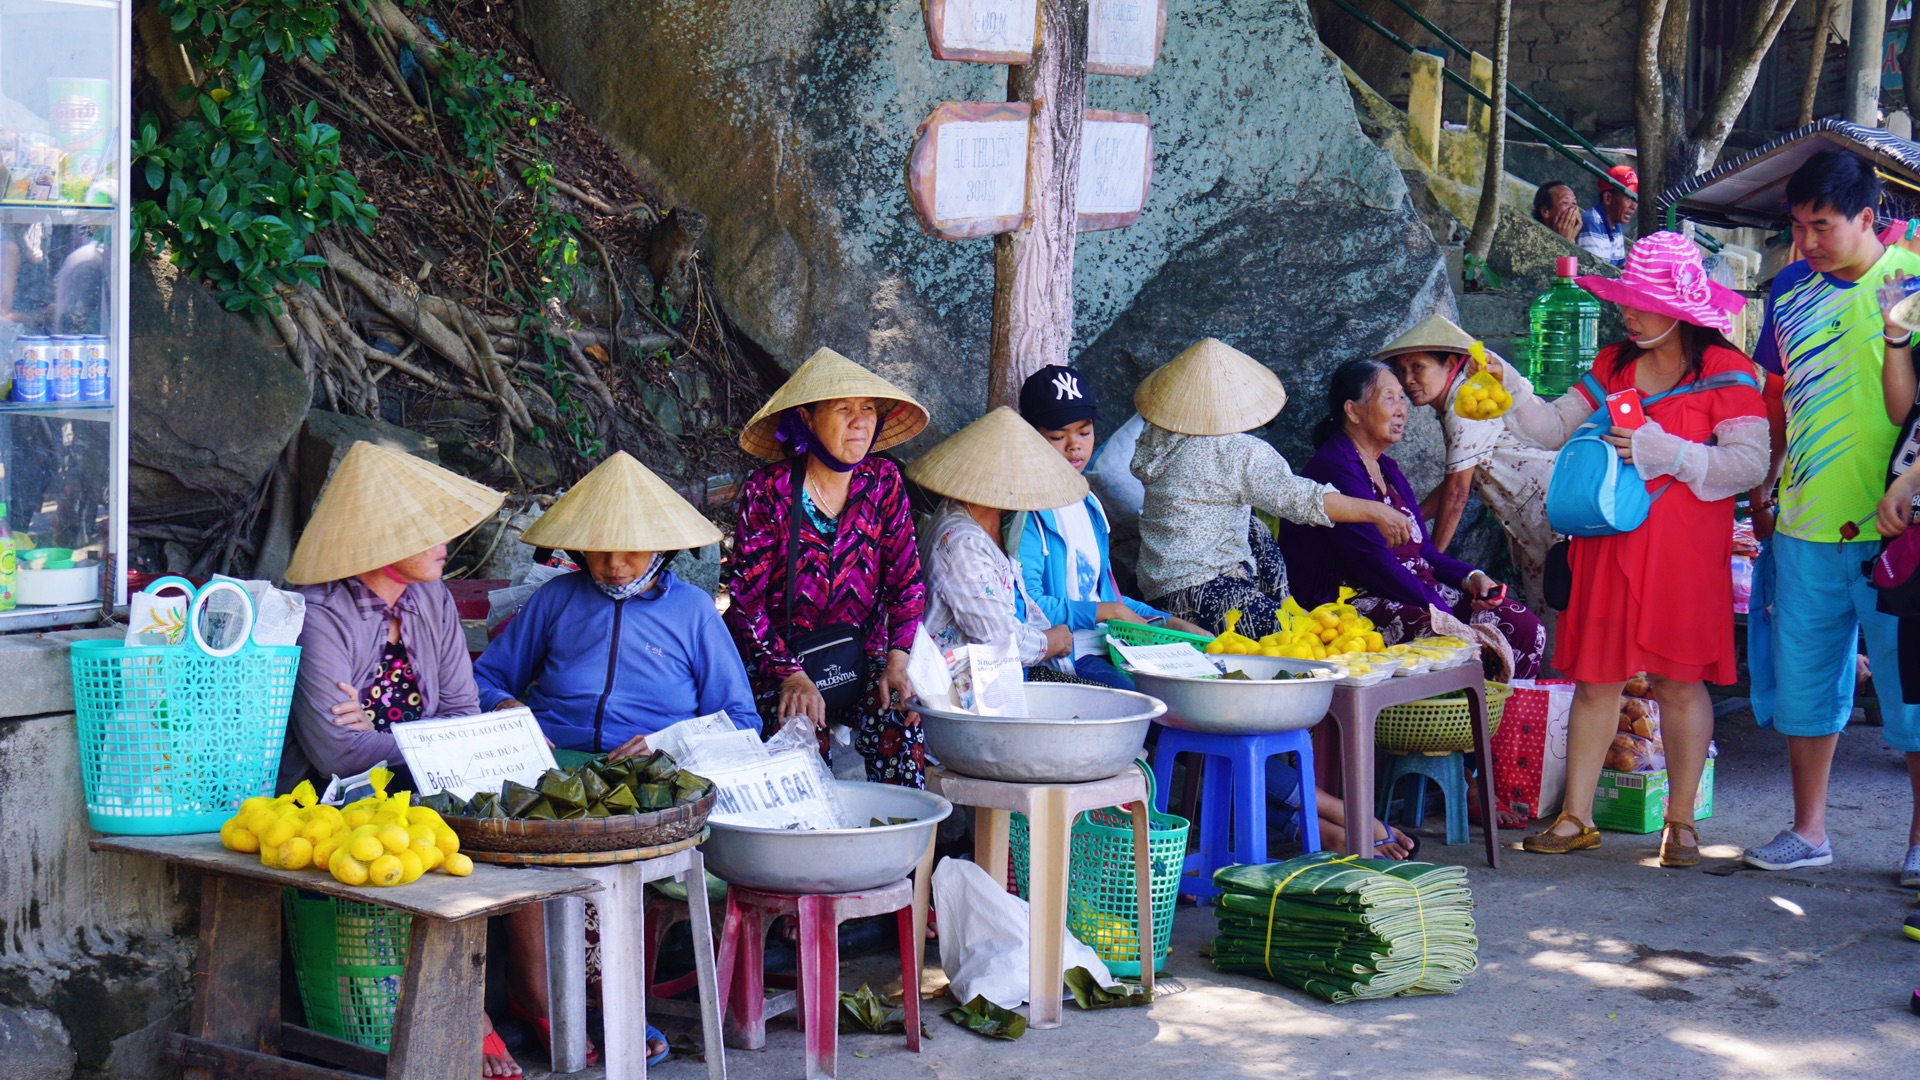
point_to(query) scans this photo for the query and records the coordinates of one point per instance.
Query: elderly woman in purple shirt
(382, 643)
(1394, 586)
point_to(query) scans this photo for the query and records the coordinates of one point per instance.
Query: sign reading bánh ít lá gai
(967, 174)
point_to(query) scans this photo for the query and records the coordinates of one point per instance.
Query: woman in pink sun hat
(1659, 599)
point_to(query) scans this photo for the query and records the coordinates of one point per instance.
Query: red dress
(1659, 599)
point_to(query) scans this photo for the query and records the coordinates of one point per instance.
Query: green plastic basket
(1102, 909)
(1133, 633)
(348, 959)
(172, 740)
(1439, 725)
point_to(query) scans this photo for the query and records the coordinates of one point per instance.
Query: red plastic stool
(742, 964)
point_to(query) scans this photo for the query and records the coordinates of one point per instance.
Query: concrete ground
(1592, 964)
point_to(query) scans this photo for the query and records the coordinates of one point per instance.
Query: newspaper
(672, 738)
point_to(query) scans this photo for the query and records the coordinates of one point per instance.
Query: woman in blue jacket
(608, 655)
(1063, 552)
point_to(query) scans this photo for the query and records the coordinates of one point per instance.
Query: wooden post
(1033, 266)
(1480, 74)
(1423, 106)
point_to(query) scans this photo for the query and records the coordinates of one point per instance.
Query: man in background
(1603, 228)
(1556, 207)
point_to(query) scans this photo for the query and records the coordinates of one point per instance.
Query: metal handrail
(1481, 96)
(1526, 99)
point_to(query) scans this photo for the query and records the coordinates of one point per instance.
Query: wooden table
(1356, 708)
(235, 1030)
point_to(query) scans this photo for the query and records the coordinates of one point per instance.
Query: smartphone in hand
(1625, 408)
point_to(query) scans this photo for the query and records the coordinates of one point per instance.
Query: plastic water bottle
(1566, 333)
(7, 562)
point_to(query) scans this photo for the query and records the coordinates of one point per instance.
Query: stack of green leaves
(596, 788)
(1345, 928)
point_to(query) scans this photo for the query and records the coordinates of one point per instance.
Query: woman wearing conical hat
(1202, 550)
(610, 654)
(825, 589)
(1483, 456)
(382, 642)
(975, 593)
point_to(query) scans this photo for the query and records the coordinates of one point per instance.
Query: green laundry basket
(1102, 909)
(1135, 634)
(172, 738)
(348, 959)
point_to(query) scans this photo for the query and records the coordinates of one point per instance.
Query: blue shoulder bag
(1592, 492)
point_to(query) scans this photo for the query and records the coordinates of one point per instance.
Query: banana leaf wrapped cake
(599, 805)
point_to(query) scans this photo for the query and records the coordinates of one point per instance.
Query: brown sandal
(1553, 843)
(1675, 854)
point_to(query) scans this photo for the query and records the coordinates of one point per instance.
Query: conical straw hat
(380, 507)
(827, 375)
(1435, 333)
(621, 506)
(999, 461)
(1210, 389)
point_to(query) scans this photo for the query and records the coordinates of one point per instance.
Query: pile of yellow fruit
(379, 840)
(1482, 397)
(1330, 630)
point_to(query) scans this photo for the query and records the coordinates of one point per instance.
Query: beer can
(32, 363)
(64, 383)
(95, 369)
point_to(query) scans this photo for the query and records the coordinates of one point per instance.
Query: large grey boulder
(210, 402)
(34, 1045)
(788, 122)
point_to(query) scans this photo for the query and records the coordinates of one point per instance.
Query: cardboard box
(1637, 802)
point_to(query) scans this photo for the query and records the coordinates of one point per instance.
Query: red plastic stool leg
(743, 948)
(909, 976)
(820, 982)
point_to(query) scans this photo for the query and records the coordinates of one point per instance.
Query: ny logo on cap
(1065, 386)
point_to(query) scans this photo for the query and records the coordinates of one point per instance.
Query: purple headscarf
(798, 438)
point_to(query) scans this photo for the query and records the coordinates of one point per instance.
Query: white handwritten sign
(779, 791)
(1123, 36)
(467, 754)
(982, 31)
(1116, 165)
(1171, 659)
(967, 175)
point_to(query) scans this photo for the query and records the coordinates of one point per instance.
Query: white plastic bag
(983, 938)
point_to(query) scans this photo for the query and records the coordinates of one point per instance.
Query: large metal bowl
(1245, 706)
(1076, 734)
(831, 860)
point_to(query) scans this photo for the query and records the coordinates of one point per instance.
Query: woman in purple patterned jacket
(826, 590)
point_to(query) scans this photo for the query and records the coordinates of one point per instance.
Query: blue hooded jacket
(1043, 563)
(596, 672)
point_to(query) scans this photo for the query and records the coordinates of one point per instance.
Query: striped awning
(1751, 189)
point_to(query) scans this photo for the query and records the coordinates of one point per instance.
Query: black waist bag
(834, 656)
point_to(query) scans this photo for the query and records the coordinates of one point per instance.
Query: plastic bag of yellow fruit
(1481, 397)
(379, 840)
(1232, 642)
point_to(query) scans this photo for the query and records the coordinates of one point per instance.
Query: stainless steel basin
(1076, 734)
(1245, 706)
(831, 860)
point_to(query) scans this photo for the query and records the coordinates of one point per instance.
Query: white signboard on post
(468, 754)
(1123, 36)
(982, 31)
(967, 175)
(1116, 167)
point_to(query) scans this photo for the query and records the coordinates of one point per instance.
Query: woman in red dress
(1659, 599)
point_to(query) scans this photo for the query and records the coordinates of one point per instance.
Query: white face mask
(636, 586)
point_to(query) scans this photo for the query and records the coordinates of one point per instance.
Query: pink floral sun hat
(1664, 275)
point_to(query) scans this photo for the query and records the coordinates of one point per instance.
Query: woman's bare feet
(494, 1058)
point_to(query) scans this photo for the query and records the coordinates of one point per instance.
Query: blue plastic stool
(1447, 770)
(1235, 794)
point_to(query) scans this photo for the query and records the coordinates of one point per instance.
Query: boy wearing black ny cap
(1063, 552)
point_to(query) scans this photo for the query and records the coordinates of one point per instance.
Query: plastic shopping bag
(983, 938)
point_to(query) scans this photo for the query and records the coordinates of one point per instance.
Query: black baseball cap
(1056, 396)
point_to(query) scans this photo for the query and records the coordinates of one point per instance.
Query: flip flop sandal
(653, 1035)
(1413, 844)
(544, 1027)
(491, 1045)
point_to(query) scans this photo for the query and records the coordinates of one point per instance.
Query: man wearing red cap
(1603, 228)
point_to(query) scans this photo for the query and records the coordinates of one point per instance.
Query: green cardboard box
(1637, 802)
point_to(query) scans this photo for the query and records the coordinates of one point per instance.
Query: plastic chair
(743, 995)
(1050, 810)
(1233, 800)
(1447, 770)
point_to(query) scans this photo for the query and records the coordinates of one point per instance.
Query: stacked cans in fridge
(63, 368)
(32, 368)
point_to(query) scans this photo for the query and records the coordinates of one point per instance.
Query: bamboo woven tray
(626, 832)
(588, 858)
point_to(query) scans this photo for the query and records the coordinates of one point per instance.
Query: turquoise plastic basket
(348, 958)
(1102, 910)
(172, 740)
